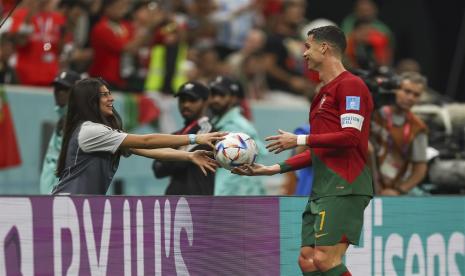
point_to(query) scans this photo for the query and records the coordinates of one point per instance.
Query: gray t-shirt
(97, 137)
(91, 161)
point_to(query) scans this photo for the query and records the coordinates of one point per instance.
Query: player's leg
(305, 260)
(328, 259)
(338, 224)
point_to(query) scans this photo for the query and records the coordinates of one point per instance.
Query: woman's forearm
(152, 141)
(165, 154)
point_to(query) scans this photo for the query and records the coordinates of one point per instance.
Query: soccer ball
(235, 149)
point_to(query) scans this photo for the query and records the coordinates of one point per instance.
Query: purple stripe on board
(139, 235)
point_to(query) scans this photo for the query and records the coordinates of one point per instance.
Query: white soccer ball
(235, 149)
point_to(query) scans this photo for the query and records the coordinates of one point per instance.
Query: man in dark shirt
(285, 66)
(186, 178)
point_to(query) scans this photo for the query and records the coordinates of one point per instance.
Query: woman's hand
(210, 138)
(203, 159)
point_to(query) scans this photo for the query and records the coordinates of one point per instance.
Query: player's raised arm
(257, 169)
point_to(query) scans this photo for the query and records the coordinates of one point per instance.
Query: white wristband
(301, 140)
(192, 139)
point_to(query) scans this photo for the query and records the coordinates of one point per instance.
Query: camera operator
(399, 140)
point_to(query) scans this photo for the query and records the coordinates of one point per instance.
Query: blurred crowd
(144, 46)
(140, 46)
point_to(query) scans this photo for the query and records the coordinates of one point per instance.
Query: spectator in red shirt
(112, 37)
(367, 47)
(36, 29)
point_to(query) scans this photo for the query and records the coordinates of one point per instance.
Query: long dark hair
(84, 105)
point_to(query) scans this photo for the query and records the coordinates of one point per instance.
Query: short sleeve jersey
(340, 119)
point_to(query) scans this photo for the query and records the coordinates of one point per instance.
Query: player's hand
(283, 141)
(256, 169)
(203, 159)
(210, 138)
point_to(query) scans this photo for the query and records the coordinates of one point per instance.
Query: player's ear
(324, 47)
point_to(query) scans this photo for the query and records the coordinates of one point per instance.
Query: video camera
(381, 82)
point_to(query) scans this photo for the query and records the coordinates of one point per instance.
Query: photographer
(399, 140)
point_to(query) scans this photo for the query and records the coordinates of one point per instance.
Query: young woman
(93, 142)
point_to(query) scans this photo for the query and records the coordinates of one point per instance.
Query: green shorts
(330, 220)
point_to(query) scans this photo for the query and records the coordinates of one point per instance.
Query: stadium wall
(401, 236)
(218, 236)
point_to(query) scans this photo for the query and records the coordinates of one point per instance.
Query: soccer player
(93, 142)
(338, 144)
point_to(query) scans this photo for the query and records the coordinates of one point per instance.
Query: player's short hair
(414, 77)
(332, 35)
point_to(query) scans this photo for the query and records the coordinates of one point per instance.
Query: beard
(218, 110)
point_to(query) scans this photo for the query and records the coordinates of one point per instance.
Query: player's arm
(297, 162)
(257, 169)
(201, 158)
(347, 137)
(354, 105)
(293, 163)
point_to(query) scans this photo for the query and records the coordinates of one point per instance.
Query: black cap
(226, 85)
(238, 88)
(66, 78)
(193, 89)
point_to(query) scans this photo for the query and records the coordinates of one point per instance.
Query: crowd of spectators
(145, 46)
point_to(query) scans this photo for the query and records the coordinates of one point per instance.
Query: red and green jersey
(340, 120)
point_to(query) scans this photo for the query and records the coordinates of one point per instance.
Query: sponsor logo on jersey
(352, 103)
